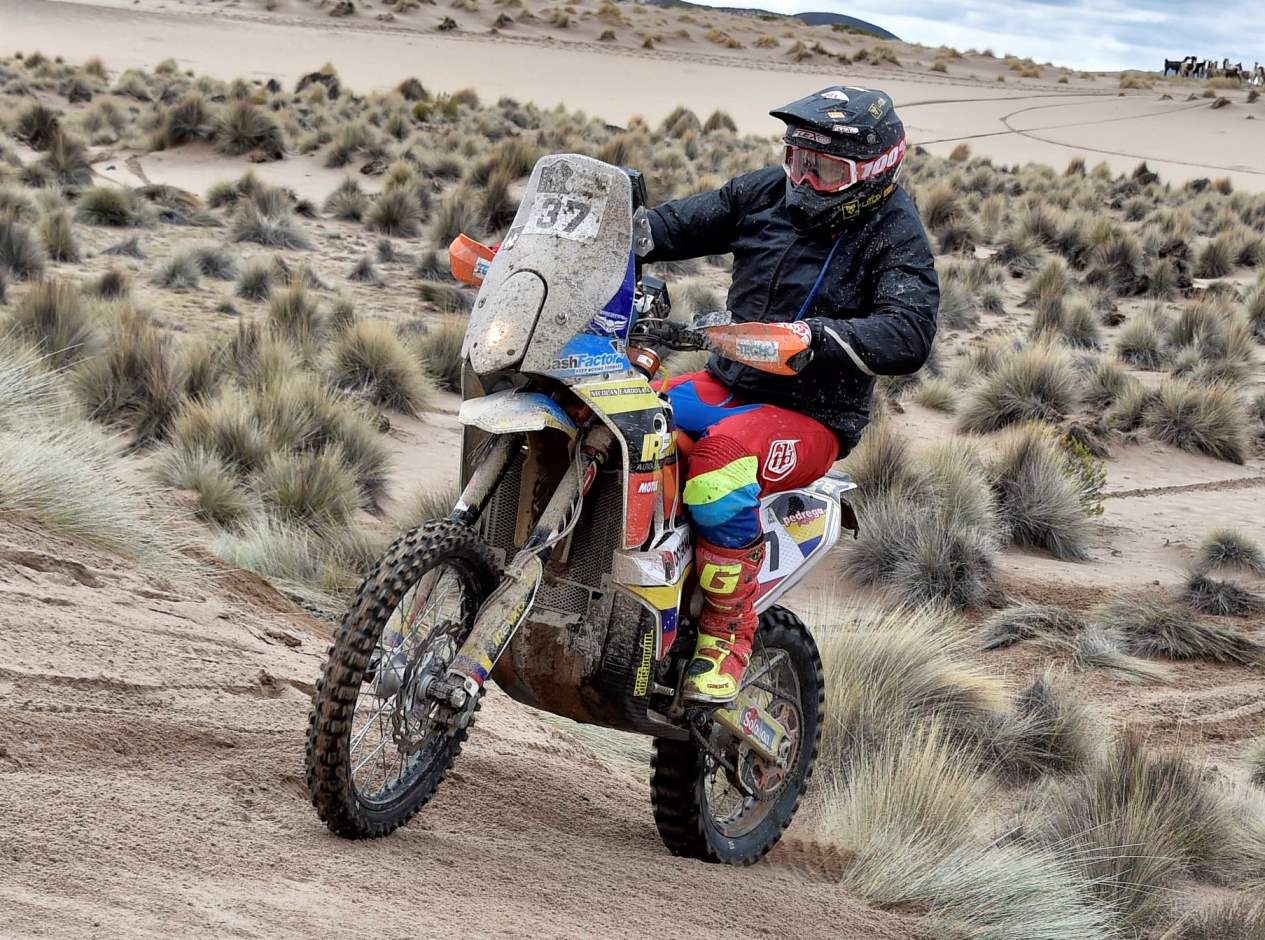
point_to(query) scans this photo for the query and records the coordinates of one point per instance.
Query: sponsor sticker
(756, 350)
(641, 680)
(806, 134)
(845, 129)
(755, 726)
(650, 486)
(836, 95)
(836, 115)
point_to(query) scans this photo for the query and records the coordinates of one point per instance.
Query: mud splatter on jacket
(875, 313)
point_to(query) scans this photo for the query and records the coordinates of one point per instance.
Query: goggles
(830, 174)
(821, 171)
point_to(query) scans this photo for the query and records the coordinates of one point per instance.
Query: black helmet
(843, 154)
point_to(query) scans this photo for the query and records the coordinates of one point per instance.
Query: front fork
(508, 606)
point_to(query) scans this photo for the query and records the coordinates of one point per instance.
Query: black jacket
(875, 313)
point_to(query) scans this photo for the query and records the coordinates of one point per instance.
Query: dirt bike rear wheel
(412, 611)
(694, 819)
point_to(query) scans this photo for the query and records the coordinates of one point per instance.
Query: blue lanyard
(812, 294)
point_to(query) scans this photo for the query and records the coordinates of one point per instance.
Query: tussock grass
(1050, 733)
(363, 272)
(395, 212)
(179, 272)
(1200, 419)
(1030, 622)
(37, 126)
(111, 285)
(426, 505)
(1237, 919)
(129, 247)
(1151, 628)
(215, 261)
(448, 298)
(106, 204)
(1230, 548)
(369, 357)
(58, 234)
(937, 393)
(1038, 501)
(295, 314)
(54, 319)
(928, 530)
(267, 219)
(1141, 342)
(255, 282)
(221, 499)
(455, 214)
(67, 474)
(21, 255)
(225, 427)
(136, 381)
(1037, 383)
(1255, 760)
(242, 127)
(1138, 822)
(287, 554)
(314, 488)
(1222, 598)
(439, 345)
(348, 202)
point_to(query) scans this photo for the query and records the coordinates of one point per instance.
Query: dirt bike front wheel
(698, 809)
(376, 748)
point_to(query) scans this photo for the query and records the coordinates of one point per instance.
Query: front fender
(511, 412)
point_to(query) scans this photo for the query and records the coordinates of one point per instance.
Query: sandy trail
(1017, 122)
(151, 761)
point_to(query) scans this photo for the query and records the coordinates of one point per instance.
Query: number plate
(566, 215)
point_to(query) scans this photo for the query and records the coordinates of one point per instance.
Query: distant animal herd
(1194, 67)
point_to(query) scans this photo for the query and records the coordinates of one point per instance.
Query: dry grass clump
(179, 272)
(255, 282)
(136, 381)
(106, 204)
(290, 555)
(1200, 419)
(368, 357)
(1255, 760)
(266, 218)
(1030, 622)
(929, 531)
(221, 498)
(1136, 823)
(296, 315)
(363, 272)
(439, 345)
(1230, 548)
(395, 212)
(58, 234)
(215, 261)
(348, 202)
(21, 255)
(1225, 920)
(1037, 383)
(1038, 499)
(1221, 598)
(1104, 383)
(1151, 628)
(55, 321)
(242, 127)
(111, 285)
(311, 487)
(1050, 733)
(67, 474)
(1141, 342)
(225, 427)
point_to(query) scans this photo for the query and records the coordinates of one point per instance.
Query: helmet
(844, 148)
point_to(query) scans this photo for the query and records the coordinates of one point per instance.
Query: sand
(1021, 120)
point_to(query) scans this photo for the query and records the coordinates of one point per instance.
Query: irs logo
(783, 456)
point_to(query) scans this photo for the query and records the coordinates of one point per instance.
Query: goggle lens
(822, 171)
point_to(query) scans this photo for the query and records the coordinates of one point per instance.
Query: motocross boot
(728, 577)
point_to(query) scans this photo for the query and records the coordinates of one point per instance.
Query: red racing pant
(738, 452)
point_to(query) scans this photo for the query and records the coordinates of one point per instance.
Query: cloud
(1103, 35)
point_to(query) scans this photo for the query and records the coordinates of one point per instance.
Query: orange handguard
(777, 348)
(469, 260)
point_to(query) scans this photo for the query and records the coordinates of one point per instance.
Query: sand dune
(1023, 120)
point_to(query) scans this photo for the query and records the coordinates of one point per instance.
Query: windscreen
(557, 299)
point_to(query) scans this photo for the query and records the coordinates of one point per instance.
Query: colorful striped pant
(738, 452)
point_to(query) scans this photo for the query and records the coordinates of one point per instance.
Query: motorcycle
(564, 571)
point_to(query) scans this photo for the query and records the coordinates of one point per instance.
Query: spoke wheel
(700, 810)
(376, 749)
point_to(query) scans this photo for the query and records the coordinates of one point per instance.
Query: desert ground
(227, 365)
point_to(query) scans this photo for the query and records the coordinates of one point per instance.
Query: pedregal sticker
(569, 216)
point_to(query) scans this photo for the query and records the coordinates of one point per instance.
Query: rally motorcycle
(564, 571)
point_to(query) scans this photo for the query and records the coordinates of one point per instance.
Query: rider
(828, 240)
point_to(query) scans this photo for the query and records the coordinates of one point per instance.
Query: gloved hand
(777, 348)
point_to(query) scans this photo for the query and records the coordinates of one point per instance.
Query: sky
(1102, 35)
